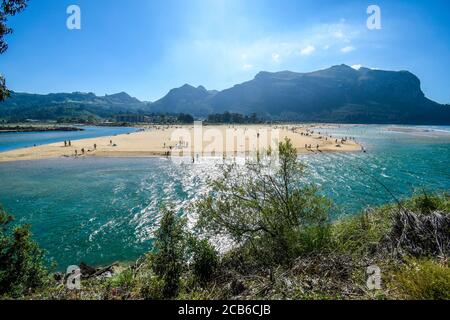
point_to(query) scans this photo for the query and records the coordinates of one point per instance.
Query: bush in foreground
(21, 260)
(265, 206)
(205, 260)
(168, 260)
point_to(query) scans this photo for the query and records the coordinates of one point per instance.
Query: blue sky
(147, 47)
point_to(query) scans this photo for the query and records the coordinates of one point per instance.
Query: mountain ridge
(336, 94)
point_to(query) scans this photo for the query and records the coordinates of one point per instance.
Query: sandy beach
(179, 140)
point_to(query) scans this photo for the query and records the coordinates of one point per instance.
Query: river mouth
(101, 210)
(16, 140)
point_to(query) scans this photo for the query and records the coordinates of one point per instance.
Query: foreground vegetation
(283, 246)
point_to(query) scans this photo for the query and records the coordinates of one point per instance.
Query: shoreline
(158, 141)
(37, 129)
(154, 156)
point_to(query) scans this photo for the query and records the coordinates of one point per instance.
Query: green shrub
(168, 260)
(124, 280)
(205, 260)
(425, 203)
(265, 205)
(423, 280)
(153, 288)
(21, 260)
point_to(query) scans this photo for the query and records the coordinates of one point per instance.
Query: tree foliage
(233, 118)
(185, 118)
(21, 260)
(205, 260)
(265, 205)
(168, 261)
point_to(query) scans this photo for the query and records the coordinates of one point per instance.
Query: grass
(422, 280)
(360, 235)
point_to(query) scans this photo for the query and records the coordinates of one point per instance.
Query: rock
(86, 270)
(58, 276)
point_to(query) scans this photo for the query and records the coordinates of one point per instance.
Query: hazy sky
(147, 47)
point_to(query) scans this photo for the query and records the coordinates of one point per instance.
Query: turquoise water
(403, 162)
(11, 141)
(104, 210)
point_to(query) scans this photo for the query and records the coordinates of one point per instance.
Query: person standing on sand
(95, 146)
(70, 143)
(65, 143)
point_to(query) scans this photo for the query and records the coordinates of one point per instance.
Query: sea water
(101, 210)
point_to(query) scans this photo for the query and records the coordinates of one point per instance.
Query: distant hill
(186, 99)
(68, 105)
(337, 94)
